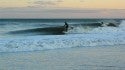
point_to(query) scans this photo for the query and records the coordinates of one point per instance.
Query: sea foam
(100, 36)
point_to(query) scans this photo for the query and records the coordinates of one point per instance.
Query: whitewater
(77, 37)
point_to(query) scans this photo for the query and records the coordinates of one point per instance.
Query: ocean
(45, 34)
(42, 44)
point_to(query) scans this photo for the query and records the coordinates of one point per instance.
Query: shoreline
(81, 58)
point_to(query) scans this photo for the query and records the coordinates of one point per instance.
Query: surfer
(66, 26)
(102, 23)
(109, 24)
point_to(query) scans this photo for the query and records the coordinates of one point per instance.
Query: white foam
(110, 30)
(54, 42)
(106, 29)
(79, 29)
(122, 25)
(98, 37)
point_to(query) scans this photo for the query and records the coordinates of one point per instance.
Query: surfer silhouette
(109, 24)
(102, 23)
(66, 26)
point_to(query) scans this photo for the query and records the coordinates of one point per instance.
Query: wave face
(79, 36)
(33, 27)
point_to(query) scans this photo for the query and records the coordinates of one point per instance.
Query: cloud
(46, 3)
(59, 0)
(74, 11)
(82, 0)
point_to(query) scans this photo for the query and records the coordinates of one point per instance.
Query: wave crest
(96, 37)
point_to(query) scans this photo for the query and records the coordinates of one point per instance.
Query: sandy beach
(82, 58)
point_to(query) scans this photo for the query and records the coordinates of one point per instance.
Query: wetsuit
(66, 26)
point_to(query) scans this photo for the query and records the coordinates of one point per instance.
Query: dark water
(26, 27)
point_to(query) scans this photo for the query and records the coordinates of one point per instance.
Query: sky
(62, 8)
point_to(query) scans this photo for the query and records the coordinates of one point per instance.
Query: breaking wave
(99, 36)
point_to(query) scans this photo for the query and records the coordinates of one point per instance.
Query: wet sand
(81, 58)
